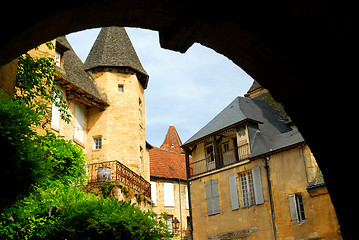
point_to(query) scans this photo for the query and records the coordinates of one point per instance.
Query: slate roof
(172, 141)
(75, 74)
(113, 48)
(268, 133)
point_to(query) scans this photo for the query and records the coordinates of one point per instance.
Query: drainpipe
(180, 205)
(190, 227)
(266, 166)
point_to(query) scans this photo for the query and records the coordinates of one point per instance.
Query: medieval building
(105, 97)
(169, 183)
(252, 176)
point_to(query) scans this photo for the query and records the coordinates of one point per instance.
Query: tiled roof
(169, 161)
(164, 163)
(172, 141)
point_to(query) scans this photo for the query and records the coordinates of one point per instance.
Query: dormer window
(58, 58)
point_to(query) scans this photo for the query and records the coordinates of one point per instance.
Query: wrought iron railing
(114, 171)
(220, 160)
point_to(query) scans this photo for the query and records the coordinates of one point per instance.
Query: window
(55, 115)
(169, 223)
(225, 146)
(247, 188)
(153, 192)
(296, 208)
(212, 196)
(120, 88)
(251, 187)
(211, 164)
(140, 111)
(57, 59)
(169, 195)
(79, 132)
(97, 143)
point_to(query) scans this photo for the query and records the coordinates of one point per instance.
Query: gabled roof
(75, 75)
(113, 48)
(169, 161)
(268, 133)
(172, 141)
(241, 109)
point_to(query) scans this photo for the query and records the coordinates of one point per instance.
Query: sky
(185, 90)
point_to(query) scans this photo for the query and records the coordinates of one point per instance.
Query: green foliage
(18, 163)
(66, 212)
(29, 158)
(36, 85)
(42, 177)
(107, 188)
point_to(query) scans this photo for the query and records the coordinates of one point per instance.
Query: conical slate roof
(113, 48)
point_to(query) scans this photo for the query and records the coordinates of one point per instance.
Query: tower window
(58, 58)
(120, 88)
(97, 143)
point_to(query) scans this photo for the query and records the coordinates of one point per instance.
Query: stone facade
(169, 191)
(256, 178)
(107, 108)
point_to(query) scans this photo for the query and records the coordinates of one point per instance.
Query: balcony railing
(114, 171)
(221, 160)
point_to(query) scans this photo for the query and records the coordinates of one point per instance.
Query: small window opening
(58, 56)
(120, 88)
(97, 143)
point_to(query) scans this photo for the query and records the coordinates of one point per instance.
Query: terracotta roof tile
(172, 141)
(164, 163)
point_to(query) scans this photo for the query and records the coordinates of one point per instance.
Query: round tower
(118, 132)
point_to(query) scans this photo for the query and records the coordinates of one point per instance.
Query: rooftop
(113, 48)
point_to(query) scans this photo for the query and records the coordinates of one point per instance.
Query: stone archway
(297, 50)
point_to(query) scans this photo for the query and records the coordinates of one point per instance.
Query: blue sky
(185, 90)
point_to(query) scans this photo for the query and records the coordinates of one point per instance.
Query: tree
(42, 177)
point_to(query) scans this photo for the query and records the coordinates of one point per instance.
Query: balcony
(220, 160)
(114, 171)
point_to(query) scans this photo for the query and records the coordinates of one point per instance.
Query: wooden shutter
(209, 198)
(215, 195)
(234, 191)
(79, 124)
(153, 192)
(257, 183)
(212, 195)
(169, 196)
(55, 115)
(293, 208)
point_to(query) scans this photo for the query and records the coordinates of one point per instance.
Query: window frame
(296, 206)
(168, 195)
(247, 189)
(95, 141)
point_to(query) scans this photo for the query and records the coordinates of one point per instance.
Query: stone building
(169, 183)
(105, 97)
(249, 167)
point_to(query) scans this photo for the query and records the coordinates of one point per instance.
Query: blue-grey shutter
(209, 198)
(293, 208)
(234, 191)
(215, 197)
(257, 182)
